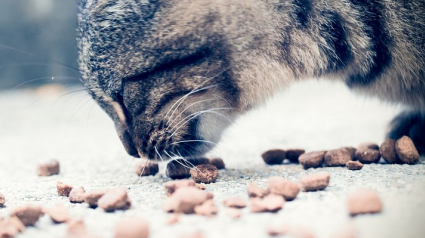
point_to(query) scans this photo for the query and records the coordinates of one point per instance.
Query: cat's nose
(127, 142)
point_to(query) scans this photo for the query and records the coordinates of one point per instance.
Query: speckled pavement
(36, 125)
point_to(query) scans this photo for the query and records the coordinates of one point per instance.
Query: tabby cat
(173, 74)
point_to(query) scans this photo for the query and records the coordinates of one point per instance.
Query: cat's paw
(410, 124)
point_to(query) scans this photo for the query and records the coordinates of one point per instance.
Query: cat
(173, 74)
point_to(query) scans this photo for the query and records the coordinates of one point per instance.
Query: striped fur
(145, 55)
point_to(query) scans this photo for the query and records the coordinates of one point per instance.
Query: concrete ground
(36, 125)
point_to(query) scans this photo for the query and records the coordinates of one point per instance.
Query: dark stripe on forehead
(302, 12)
(337, 49)
(374, 21)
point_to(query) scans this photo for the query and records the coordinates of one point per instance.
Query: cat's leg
(412, 124)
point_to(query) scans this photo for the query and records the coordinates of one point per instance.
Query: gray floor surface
(36, 125)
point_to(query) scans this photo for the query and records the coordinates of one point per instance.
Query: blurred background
(35, 35)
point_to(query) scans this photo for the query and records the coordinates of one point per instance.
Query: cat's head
(161, 75)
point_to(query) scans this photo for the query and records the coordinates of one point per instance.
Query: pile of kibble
(186, 196)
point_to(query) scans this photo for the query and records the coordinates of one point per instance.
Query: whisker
(186, 141)
(44, 78)
(75, 113)
(194, 115)
(128, 168)
(186, 109)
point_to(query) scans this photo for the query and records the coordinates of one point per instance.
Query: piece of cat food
(2, 199)
(180, 168)
(275, 156)
(201, 186)
(354, 165)
(146, 168)
(315, 182)
(208, 208)
(369, 145)
(115, 199)
(28, 215)
(368, 153)
(337, 157)
(281, 230)
(270, 203)
(204, 173)
(312, 159)
(217, 162)
(234, 213)
(76, 227)
(194, 235)
(293, 154)
(63, 189)
(255, 191)
(172, 186)
(352, 151)
(184, 200)
(77, 195)
(388, 151)
(132, 228)
(49, 168)
(58, 213)
(92, 197)
(11, 227)
(280, 186)
(234, 202)
(406, 150)
(364, 201)
(173, 219)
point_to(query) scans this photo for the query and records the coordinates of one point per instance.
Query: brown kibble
(77, 195)
(76, 227)
(172, 186)
(369, 145)
(337, 157)
(312, 159)
(275, 156)
(58, 213)
(184, 200)
(364, 201)
(270, 203)
(146, 168)
(115, 199)
(173, 219)
(201, 186)
(366, 153)
(180, 168)
(11, 227)
(48, 168)
(234, 213)
(354, 165)
(93, 197)
(406, 150)
(234, 202)
(293, 154)
(284, 229)
(280, 186)
(208, 208)
(132, 228)
(63, 189)
(315, 182)
(204, 173)
(255, 191)
(217, 162)
(2, 199)
(352, 151)
(194, 235)
(28, 215)
(388, 151)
